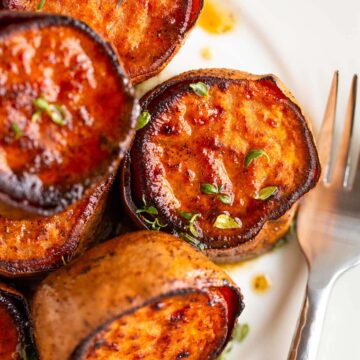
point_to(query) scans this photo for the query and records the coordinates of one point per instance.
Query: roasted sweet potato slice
(66, 113)
(222, 154)
(155, 297)
(32, 246)
(16, 341)
(146, 34)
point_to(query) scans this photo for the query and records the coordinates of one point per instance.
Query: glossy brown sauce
(9, 336)
(64, 66)
(190, 326)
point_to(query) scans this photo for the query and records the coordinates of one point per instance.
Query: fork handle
(308, 333)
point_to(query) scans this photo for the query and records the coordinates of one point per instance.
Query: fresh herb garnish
(200, 88)
(240, 333)
(151, 210)
(27, 353)
(155, 224)
(40, 5)
(225, 221)
(18, 133)
(266, 193)
(210, 189)
(54, 111)
(254, 154)
(193, 241)
(143, 120)
(192, 219)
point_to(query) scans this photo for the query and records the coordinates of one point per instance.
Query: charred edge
(62, 198)
(158, 99)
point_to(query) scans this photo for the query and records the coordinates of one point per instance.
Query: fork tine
(325, 138)
(342, 168)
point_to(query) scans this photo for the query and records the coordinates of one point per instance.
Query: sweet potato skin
(15, 328)
(145, 266)
(33, 246)
(193, 140)
(146, 34)
(49, 166)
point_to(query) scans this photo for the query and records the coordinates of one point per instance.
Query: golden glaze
(146, 33)
(116, 278)
(184, 326)
(193, 140)
(49, 165)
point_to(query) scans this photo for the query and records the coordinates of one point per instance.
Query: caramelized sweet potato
(67, 113)
(15, 333)
(155, 297)
(32, 246)
(224, 156)
(146, 34)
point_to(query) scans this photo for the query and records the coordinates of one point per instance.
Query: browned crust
(51, 201)
(194, 8)
(263, 236)
(85, 231)
(118, 277)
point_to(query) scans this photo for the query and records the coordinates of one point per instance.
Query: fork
(328, 225)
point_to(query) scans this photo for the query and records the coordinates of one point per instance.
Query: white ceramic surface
(302, 42)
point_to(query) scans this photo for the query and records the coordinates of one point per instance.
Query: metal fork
(328, 226)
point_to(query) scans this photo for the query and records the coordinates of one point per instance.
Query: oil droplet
(261, 283)
(215, 18)
(206, 53)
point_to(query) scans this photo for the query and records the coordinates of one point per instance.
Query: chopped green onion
(266, 193)
(254, 154)
(143, 120)
(40, 5)
(200, 88)
(225, 221)
(54, 111)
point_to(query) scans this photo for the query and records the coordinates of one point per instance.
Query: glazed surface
(9, 335)
(193, 140)
(190, 326)
(145, 33)
(43, 162)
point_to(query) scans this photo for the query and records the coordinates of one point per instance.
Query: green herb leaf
(54, 111)
(185, 215)
(209, 189)
(241, 332)
(40, 5)
(27, 353)
(155, 224)
(18, 133)
(193, 241)
(200, 88)
(192, 226)
(266, 192)
(225, 221)
(151, 210)
(254, 154)
(143, 120)
(225, 199)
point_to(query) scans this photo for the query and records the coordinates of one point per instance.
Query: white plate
(302, 42)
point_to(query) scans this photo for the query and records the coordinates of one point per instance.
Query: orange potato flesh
(9, 335)
(193, 140)
(45, 164)
(187, 326)
(146, 34)
(36, 245)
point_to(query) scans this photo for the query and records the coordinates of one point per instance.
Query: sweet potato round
(138, 283)
(33, 246)
(16, 340)
(146, 34)
(67, 113)
(193, 140)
